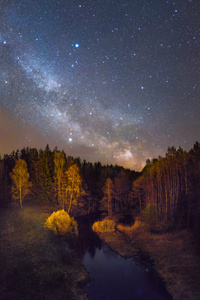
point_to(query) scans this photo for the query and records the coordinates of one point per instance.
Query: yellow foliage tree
(20, 177)
(73, 187)
(61, 223)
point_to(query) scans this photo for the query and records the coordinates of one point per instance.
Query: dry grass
(177, 262)
(34, 263)
(129, 229)
(174, 255)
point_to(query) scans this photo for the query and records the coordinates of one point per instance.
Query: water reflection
(116, 278)
(87, 240)
(112, 276)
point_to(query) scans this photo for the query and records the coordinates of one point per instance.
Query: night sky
(109, 81)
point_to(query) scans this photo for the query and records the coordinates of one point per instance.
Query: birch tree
(20, 178)
(73, 186)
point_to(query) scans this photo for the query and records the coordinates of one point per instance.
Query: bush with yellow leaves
(61, 223)
(106, 225)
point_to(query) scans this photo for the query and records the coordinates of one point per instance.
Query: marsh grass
(34, 263)
(174, 255)
(129, 229)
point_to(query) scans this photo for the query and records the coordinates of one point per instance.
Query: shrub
(105, 225)
(61, 223)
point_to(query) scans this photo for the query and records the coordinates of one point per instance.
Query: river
(113, 277)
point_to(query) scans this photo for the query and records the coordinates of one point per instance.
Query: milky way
(109, 81)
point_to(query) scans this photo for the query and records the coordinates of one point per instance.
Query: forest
(49, 172)
(166, 193)
(154, 213)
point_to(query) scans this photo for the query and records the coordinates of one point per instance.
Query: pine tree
(122, 186)
(59, 177)
(108, 192)
(45, 174)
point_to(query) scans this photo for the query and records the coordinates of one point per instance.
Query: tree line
(165, 192)
(168, 190)
(59, 180)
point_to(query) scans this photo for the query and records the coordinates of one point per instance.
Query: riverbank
(35, 263)
(174, 256)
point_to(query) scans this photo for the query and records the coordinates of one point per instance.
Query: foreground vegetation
(62, 224)
(166, 194)
(168, 186)
(106, 225)
(35, 263)
(174, 255)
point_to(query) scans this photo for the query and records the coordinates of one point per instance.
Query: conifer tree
(59, 177)
(108, 192)
(45, 176)
(122, 187)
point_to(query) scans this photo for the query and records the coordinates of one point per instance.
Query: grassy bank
(34, 263)
(174, 256)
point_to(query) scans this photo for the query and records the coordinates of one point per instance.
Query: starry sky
(109, 81)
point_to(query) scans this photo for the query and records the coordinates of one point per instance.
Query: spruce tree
(45, 176)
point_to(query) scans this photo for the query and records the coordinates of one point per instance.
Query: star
(135, 76)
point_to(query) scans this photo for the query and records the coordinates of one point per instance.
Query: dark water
(113, 277)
